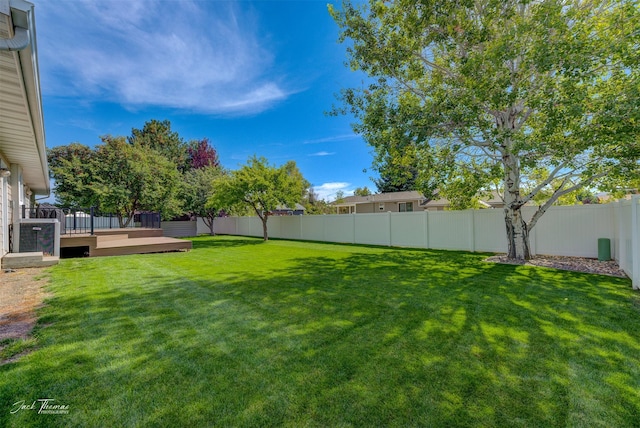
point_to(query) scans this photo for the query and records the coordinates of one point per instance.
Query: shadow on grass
(372, 338)
(202, 242)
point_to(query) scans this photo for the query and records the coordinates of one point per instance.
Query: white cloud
(332, 139)
(322, 154)
(327, 191)
(189, 55)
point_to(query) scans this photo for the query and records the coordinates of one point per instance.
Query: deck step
(132, 232)
(27, 260)
(104, 238)
(140, 246)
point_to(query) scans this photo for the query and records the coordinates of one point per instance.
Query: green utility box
(604, 249)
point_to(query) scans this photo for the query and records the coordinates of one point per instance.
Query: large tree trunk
(122, 223)
(208, 221)
(264, 216)
(517, 230)
(517, 234)
(264, 227)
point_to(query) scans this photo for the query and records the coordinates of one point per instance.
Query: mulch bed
(577, 264)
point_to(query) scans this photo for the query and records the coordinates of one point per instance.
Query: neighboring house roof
(380, 197)
(494, 201)
(22, 136)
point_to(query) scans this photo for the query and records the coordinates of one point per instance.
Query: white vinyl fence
(563, 230)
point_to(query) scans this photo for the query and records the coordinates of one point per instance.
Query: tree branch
(549, 179)
(557, 194)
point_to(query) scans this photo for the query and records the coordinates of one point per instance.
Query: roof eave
(22, 14)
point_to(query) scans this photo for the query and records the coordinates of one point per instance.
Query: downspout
(19, 41)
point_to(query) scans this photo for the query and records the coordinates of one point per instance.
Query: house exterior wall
(22, 136)
(13, 194)
(4, 244)
(374, 207)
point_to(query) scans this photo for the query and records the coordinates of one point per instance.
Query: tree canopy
(117, 177)
(261, 187)
(200, 154)
(157, 135)
(493, 92)
(147, 171)
(362, 191)
(197, 189)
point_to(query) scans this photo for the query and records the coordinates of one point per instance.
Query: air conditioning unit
(38, 234)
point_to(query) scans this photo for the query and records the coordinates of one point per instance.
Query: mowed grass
(243, 333)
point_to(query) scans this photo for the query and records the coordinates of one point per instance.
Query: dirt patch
(21, 293)
(577, 264)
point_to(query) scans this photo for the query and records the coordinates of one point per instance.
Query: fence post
(635, 242)
(472, 231)
(390, 231)
(353, 229)
(426, 229)
(91, 211)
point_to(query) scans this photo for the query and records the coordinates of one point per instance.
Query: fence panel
(625, 259)
(627, 241)
(489, 231)
(634, 272)
(290, 227)
(221, 225)
(339, 228)
(450, 230)
(409, 229)
(572, 230)
(203, 229)
(274, 226)
(249, 226)
(372, 229)
(312, 227)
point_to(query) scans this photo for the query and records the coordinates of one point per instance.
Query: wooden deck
(116, 242)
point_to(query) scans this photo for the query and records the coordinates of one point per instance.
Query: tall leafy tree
(260, 187)
(157, 135)
(201, 154)
(197, 189)
(116, 177)
(129, 178)
(492, 90)
(68, 166)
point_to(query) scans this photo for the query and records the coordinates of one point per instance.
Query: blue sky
(252, 77)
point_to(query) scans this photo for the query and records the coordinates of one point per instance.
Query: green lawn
(243, 333)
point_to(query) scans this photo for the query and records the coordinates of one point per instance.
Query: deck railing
(87, 220)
